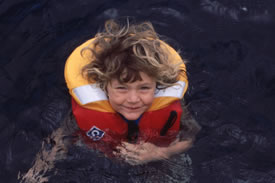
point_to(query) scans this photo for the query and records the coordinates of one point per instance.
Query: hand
(144, 152)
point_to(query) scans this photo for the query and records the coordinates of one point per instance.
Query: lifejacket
(99, 123)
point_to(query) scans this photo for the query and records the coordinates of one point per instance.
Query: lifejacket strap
(170, 122)
(133, 131)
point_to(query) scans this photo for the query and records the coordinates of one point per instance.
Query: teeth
(132, 107)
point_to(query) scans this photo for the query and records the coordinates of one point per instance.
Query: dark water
(230, 48)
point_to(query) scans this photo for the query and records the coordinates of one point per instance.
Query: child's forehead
(135, 84)
(144, 79)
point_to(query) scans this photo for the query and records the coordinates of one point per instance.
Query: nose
(133, 96)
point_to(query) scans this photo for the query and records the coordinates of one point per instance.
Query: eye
(145, 88)
(121, 88)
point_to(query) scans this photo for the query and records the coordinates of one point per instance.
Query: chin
(132, 117)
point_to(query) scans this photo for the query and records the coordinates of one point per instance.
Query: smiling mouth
(132, 108)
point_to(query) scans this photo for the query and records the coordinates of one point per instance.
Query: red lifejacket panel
(110, 128)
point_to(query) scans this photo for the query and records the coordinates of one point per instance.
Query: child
(127, 88)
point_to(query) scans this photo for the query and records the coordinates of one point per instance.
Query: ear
(106, 89)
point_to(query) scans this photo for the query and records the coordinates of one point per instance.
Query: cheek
(115, 99)
(148, 99)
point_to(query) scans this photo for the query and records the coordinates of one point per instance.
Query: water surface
(231, 69)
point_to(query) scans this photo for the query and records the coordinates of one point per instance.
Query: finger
(122, 151)
(127, 145)
(134, 159)
(131, 147)
(133, 152)
(134, 162)
(131, 161)
(129, 154)
(126, 155)
(130, 150)
(119, 148)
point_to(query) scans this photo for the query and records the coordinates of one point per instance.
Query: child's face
(132, 99)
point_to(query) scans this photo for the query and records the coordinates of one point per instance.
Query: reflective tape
(89, 93)
(172, 91)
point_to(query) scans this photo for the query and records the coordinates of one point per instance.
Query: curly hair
(123, 51)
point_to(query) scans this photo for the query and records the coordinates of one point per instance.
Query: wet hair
(123, 51)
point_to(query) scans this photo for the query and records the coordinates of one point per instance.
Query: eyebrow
(117, 83)
(146, 84)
